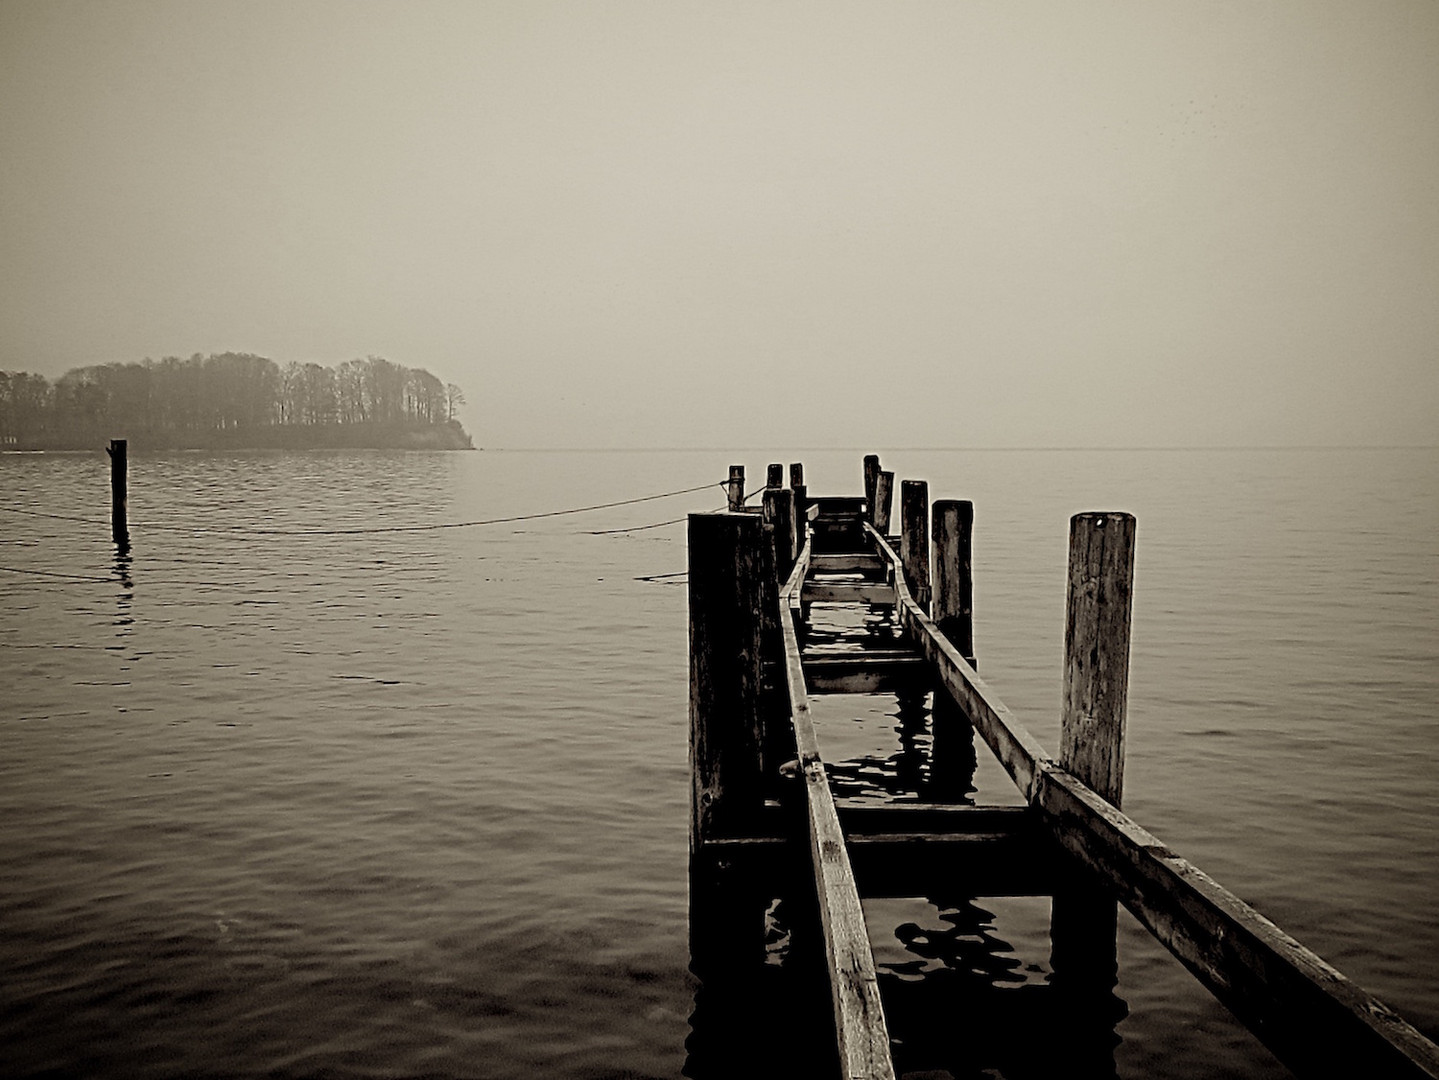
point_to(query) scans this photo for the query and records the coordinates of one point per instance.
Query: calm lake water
(277, 799)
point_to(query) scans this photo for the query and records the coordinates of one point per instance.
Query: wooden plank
(861, 674)
(863, 817)
(838, 505)
(858, 1015)
(847, 592)
(924, 864)
(1313, 1018)
(847, 562)
(852, 651)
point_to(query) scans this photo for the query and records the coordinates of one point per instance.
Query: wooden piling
(1096, 651)
(801, 493)
(119, 492)
(914, 538)
(774, 475)
(871, 476)
(726, 595)
(779, 515)
(954, 573)
(735, 490)
(883, 501)
(1091, 738)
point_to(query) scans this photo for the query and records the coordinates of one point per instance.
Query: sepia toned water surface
(282, 798)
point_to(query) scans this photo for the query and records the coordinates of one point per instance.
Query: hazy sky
(994, 223)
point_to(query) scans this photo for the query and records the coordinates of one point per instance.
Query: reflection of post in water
(123, 617)
(1096, 679)
(952, 755)
(909, 760)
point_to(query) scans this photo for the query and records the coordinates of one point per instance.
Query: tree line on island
(230, 401)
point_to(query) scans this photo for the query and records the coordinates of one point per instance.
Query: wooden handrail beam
(1311, 1016)
(862, 1035)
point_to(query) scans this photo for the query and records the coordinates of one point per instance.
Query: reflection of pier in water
(805, 612)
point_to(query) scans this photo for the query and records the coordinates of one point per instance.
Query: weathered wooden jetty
(763, 803)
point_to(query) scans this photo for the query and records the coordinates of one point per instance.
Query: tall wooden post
(954, 573)
(774, 475)
(1091, 746)
(119, 492)
(871, 476)
(954, 759)
(797, 485)
(726, 572)
(883, 501)
(779, 515)
(735, 491)
(914, 538)
(1096, 650)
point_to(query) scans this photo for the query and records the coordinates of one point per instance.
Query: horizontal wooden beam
(864, 817)
(917, 849)
(847, 562)
(1312, 1017)
(847, 592)
(838, 505)
(863, 1037)
(866, 675)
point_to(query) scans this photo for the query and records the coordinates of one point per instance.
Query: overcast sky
(994, 223)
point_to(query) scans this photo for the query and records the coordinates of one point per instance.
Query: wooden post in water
(774, 475)
(119, 493)
(736, 487)
(1096, 650)
(871, 476)
(1091, 747)
(953, 758)
(954, 573)
(726, 578)
(797, 485)
(779, 515)
(914, 538)
(883, 501)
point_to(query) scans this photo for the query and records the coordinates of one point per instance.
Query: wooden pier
(890, 618)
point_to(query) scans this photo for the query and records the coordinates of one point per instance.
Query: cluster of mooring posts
(763, 809)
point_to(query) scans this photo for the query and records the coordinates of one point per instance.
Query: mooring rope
(57, 574)
(372, 530)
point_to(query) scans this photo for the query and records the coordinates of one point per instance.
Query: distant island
(232, 401)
